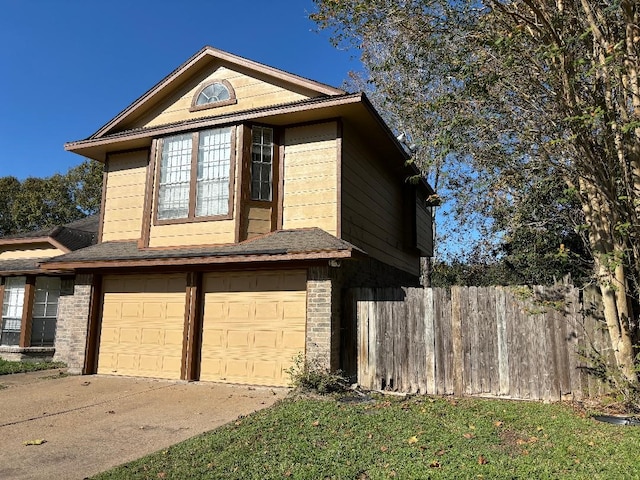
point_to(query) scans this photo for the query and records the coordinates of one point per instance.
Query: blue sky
(68, 66)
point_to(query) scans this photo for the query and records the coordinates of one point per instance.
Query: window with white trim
(261, 163)
(12, 304)
(195, 173)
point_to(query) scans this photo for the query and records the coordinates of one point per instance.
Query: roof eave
(196, 261)
(91, 147)
(35, 240)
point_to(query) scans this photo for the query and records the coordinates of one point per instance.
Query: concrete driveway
(93, 423)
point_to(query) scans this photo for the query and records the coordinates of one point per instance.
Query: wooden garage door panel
(142, 326)
(254, 324)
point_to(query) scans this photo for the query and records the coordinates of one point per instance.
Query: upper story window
(261, 163)
(213, 94)
(195, 175)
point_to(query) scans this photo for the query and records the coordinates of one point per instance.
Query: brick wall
(323, 318)
(73, 319)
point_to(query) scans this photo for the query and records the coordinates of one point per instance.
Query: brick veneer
(321, 331)
(71, 330)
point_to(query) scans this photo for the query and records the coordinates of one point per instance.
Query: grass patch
(416, 438)
(8, 367)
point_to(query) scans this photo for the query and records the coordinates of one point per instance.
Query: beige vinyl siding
(43, 250)
(258, 221)
(372, 206)
(142, 325)
(124, 199)
(310, 195)
(251, 92)
(424, 228)
(254, 325)
(196, 233)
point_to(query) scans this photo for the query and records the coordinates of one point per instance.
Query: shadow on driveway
(92, 423)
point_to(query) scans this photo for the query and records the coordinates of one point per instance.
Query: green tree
(85, 186)
(9, 187)
(37, 203)
(499, 95)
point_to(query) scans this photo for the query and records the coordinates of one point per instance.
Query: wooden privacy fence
(511, 342)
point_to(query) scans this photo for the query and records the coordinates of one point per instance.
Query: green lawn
(416, 438)
(7, 367)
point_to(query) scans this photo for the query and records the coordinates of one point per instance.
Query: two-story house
(239, 201)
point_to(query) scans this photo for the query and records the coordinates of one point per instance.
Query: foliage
(8, 367)
(624, 392)
(310, 377)
(37, 203)
(416, 438)
(501, 98)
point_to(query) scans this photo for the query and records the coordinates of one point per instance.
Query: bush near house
(7, 367)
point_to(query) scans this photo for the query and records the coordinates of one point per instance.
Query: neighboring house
(239, 201)
(32, 298)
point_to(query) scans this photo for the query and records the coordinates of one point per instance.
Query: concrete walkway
(92, 423)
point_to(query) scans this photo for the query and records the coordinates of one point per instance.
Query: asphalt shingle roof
(20, 265)
(282, 242)
(75, 235)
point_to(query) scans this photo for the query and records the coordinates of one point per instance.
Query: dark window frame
(232, 100)
(252, 195)
(191, 215)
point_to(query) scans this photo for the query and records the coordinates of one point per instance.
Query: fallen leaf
(239, 422)
(468, 436)
(413, 440)
(38, 441)
(316, 423)
(498, 423)
(440, 453)
(539, 429)
(287, 473)
(591, 444)
(482, 460)
(384, 448)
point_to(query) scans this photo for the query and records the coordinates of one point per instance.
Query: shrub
(310, 376)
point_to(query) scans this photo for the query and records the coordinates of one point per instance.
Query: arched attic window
(213, 94)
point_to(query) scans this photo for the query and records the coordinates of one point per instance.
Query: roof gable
(170, 99)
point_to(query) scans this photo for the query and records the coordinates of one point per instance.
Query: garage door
(142, 325)
(254, 324)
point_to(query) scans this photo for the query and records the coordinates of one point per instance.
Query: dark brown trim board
(92, 346)
(103, 200)
(192, 342)
(27, 309)
(148, 196)
(279, 204)
(339, 136)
